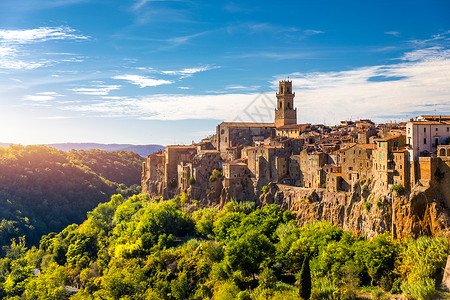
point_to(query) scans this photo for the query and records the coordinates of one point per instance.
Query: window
(424, 129)
(448, 129)
(425, 141)
(436, 129)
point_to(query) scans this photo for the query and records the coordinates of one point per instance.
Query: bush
(398, 188)
(379, 203)
(191, 181)
(324, 185)
(367, 205)
(216, 174)
(264, 189)
(323, 289)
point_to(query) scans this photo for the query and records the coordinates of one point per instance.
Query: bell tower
(285, 113)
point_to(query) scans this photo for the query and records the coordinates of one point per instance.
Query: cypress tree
(304, 280)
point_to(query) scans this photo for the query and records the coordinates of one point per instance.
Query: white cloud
(394, 33)
(180, 107)
(188, 72)
(42, 97)
(55, 118)
(14, 54)
(184, 88)
(101, 90)
(383, 92)
(241, 87)
(41, 34)
(313, 32)
(142, 81)
(396, 91)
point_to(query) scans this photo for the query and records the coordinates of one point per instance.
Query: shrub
(367, 205)
(216, 174)
(398, 188)
(323, 289)
(379, 203)
(173, 182)
(324, 185)
(264, 189)
(191, 181)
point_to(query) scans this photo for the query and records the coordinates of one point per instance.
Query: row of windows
(436, 129)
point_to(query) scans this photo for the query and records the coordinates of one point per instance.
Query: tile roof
(244, 124)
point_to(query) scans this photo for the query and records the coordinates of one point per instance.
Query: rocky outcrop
(366, 210)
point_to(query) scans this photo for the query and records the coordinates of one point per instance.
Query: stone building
(199, 169)
(174, 155)
(426, 133)
(383, 165)
(356, 162)
(285, 113)
(232, 134)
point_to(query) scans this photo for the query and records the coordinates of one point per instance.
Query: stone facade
(332, 159)
(285, 113)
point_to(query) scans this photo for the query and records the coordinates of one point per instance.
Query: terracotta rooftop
(444, 122)
(400, 150)
(294, 126)
(367, 146)
(337, 174)
(181, 146)
(388, 138)
(244, 124)
(436, 117)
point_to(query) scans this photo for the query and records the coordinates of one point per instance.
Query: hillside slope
(43, 189)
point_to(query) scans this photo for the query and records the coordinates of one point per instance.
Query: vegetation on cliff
(140, 249)
(43, 189)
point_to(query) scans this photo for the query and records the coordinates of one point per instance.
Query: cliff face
(367, 210)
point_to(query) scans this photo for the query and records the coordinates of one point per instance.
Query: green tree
(248, 252)
(304, 280)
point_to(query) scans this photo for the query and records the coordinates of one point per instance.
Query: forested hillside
(139, 249)
(43, 189)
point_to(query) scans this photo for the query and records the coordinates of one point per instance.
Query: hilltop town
(253, 161)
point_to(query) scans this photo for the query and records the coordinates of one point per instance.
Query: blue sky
(168, 72)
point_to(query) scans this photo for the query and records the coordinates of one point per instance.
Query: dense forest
(43, 190)
(140, 249)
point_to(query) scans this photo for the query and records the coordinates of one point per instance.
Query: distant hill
(43, 189)
(142, 150)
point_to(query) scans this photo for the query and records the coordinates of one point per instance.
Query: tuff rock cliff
(367, 209)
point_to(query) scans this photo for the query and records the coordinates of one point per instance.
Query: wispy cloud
(167, 107)
(41, 97)
(15, 52)
(415, 82)
(142, 81)
(55, 118)
(393, 33)
(242, 87)
(189, 72)
(420, 78)
(100, 90)
(41, 34)
(313, 32)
